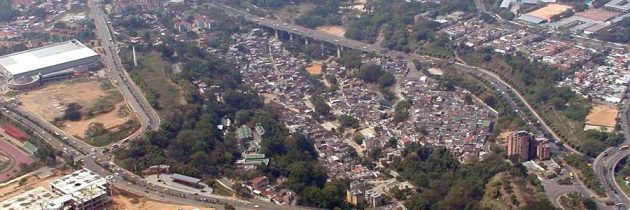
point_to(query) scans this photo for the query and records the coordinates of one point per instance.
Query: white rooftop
(78, 181)
(46, 56)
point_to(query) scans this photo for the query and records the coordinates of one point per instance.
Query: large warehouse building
(52, 61)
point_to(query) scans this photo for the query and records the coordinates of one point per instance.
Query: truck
(623, 147)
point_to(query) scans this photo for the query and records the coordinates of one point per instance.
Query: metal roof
(622, 5)
(47, 56)
(531, 19)
(185, 178)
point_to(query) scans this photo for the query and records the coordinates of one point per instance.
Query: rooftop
(51, 55)
(32, 199)
(185, 178)
(622, 5)
(77, 181)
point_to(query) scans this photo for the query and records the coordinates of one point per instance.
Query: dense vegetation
(394, 17)
(575, 200)
(7, 13)
(326, 12)
(587, 174)
(444, 183)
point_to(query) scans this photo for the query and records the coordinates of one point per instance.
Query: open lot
(17, 155)
(50, 101)
(14, 188)
(598, 14)
(550, 10)
(332, 30)
(123, 200)
(602, 115)
(152, 75)
(314, 68)
(98, 97)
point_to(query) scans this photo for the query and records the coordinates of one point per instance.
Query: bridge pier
(323, 49)
(290, 36)
(339, 48)
(305, 40)
(276, 34)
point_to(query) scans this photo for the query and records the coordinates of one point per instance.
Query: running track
(17, 154)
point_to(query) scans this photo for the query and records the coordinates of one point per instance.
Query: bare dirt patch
(49, 102)
(603, 115)
(332, 30)
(550, 10)
(314, 68)
(122, 200)
(109, 120)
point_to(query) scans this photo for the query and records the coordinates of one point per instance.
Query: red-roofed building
(260, 182)
(14, 132)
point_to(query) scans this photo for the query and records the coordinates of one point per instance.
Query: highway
(605, 163)
(149, 118)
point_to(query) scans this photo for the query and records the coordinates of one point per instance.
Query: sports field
(603, 115)
(550, 10)
(314, 69)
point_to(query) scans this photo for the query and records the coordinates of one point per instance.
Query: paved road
(604, 165)
(149, 118)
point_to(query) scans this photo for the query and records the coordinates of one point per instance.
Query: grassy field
(153, 75)
(622, 183)
(114, 134)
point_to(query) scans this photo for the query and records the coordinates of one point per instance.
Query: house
(260, 182)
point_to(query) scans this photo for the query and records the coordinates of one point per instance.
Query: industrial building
(618, 5)
(28, 69)
(82, 189)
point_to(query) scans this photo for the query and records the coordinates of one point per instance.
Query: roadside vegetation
(444, 183)
(578, 202)
(587, 175)
(562, 109)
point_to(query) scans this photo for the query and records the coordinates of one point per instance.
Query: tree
(370, 73)
(392, 142)
(348, 121)
(7, 13)
(358, 138)
(386, 79)
(60, 25)
(321, 107)
(72, 112)
(229, 207)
